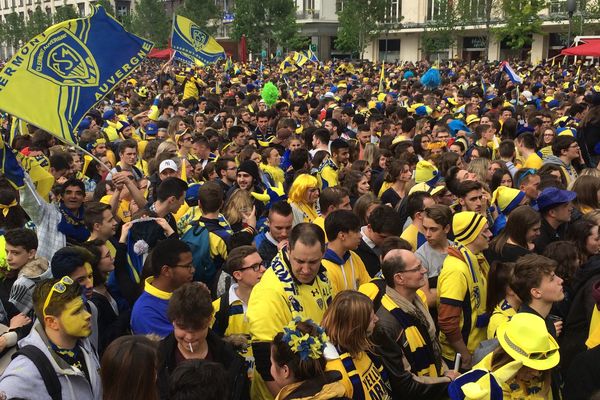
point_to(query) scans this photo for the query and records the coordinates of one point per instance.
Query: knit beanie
(507, 199)
(426, 172)
(250, 168)
(467, 225)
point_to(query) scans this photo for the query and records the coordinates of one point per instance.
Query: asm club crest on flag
(188, 39)
(54, 79)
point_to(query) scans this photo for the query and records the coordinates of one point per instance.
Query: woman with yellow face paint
(59, 334)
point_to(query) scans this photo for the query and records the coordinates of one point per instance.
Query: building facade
(25, 9)
(407, 21)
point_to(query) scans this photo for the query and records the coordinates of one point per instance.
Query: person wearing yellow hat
(462, 289)
(505, 199)
(520, 368)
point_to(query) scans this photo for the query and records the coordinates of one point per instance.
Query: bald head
(399, 261)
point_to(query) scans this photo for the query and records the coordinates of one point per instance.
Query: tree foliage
(150, 21)
(14, 29)
(267, 24)
(64, 13)
(37, 22)
(522, 20)
(359, 23)
(201, 12)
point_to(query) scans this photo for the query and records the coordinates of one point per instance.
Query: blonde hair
(240, 200)
(479, 167)
(347, 321)
(166, 146)
(301, 184)
(371, 153)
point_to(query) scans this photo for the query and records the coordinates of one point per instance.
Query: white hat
(527, 94)
(167, 164)
(330, 95)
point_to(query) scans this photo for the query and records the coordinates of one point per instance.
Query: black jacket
(369, 258)
(582, 378)
(577, 325)
(110, 325)
(222, 353)
(387, 338)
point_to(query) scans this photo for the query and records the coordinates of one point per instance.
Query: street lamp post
(571, 7)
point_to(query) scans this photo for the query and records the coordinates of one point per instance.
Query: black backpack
(45, 369)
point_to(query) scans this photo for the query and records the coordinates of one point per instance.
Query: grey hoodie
(22, 379)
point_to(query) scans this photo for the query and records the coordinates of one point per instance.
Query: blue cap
(85, 123)
(552, 197)
(553, 104)
(191, 195)
(151, 129)
(108, 114)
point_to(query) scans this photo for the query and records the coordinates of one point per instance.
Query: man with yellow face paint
(75, 263)
(60, 334)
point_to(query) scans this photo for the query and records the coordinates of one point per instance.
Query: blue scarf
(72, 225)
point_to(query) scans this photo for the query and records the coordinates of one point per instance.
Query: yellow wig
(301, 184)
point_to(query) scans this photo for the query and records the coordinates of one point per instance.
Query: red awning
(163, 54)
(590, 48)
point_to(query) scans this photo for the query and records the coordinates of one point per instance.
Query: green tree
(267, 24)
(441, 30)
(150, 21)
(64, 13)
(202, 13)
(14, 29)
(359, 23)
(522, 20)
(108, 5)
(38, 21)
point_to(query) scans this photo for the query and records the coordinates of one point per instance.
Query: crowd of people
(360, 236)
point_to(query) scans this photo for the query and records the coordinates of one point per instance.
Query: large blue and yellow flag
(193, 42)
(60, 74)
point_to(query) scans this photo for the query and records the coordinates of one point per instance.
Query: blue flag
(55, 78)
(193, 42)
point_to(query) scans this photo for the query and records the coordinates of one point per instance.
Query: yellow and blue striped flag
(288, 65)
(54, 79)
(10, 166)
(18, 127)
(299, 58)
(312, 56)
(193, 42)
(228, 64)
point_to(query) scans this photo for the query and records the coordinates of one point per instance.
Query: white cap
(167, 164)
(527, 94)
(329, 94)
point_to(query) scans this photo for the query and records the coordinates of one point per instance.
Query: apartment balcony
(307, 14)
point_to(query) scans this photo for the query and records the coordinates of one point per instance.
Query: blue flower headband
(303, 344)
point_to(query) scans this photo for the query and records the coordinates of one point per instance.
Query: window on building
(81, 9)
(435, 8)
(309, 5)
(389, 50)
(20, 3)
(560, 6)
(476, 9)
(122, 10)
(394, 11)
(339, 5)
